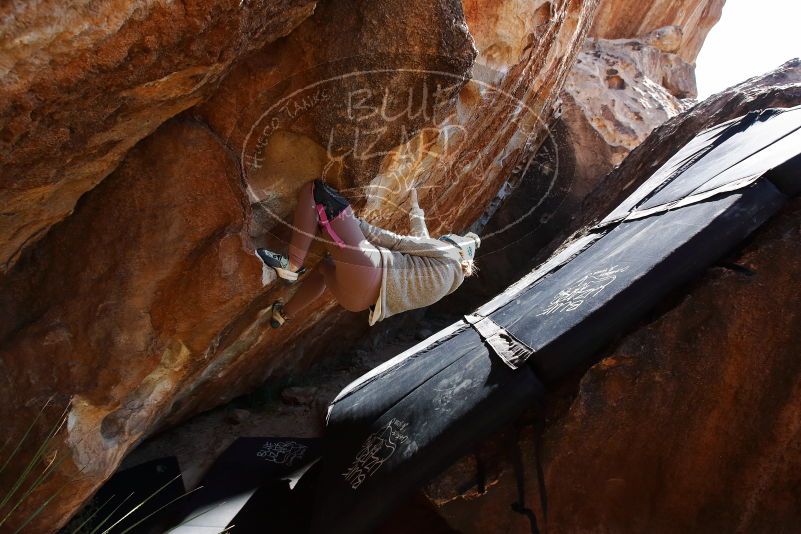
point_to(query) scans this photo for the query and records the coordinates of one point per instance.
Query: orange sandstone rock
(147, 305)
(81, 83)
(622, 19)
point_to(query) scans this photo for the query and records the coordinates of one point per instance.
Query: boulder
(616, 94)
(81, 83)
(147, 305)
(122, 304)
(688, 422)
(316, 104)
(622, 19)
(425, 123)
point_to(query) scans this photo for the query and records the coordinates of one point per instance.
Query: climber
(367, 267)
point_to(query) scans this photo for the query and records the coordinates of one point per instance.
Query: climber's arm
(384, 238)
(417, 218)
(419, 244)
(378, 236)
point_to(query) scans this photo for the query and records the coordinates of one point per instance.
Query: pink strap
(327, 225)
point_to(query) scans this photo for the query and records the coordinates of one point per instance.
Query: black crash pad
(570, 313)
(405, 423)
(723, 158)
(247, 489)
(156, 485)
(390, 430)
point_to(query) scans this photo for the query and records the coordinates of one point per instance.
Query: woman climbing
(367, 267)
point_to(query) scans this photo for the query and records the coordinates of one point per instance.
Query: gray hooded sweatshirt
(417, 270)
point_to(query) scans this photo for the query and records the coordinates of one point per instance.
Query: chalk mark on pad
(586, 287)
(376, 449)
(282, 452)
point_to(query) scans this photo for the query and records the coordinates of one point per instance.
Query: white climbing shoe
(280, 263)
(278, 318)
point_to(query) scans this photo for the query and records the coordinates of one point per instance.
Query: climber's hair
(469, 267)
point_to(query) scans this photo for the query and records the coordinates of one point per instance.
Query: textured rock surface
(690, 422)
(122, 328)
(622, 90)
(704, 404)
(620, 19)
(502, 30)
(146, 304)
(477, 148)
(81, 83)
(628, 79)
(616, 94)
(314, 104)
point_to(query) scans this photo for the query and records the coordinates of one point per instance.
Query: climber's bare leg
(355, 277)
(352, 274)
(305, 227)
(312, 288)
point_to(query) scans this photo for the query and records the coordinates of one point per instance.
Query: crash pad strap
(511, 350)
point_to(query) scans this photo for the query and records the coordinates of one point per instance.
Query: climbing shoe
(278, 318)
(280, 263)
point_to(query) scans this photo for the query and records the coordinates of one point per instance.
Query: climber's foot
(280, 263)
(278, 318)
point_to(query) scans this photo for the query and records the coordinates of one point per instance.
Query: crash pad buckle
(508, 348)
(485, 326)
